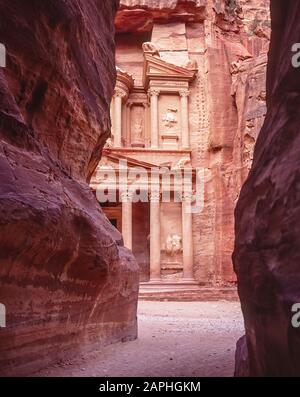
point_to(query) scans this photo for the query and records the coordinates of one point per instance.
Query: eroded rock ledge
(140, 15)
(66, 280)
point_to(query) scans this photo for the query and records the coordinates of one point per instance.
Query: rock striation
(66, 280)
(266, 254)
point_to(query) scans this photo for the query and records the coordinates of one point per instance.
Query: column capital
(126, 196)
(153, 91)
(155, 196)
(184, 93)
(129, 105)
(119, 93)
(187, 196)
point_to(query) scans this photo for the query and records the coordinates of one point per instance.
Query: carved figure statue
(138, 130)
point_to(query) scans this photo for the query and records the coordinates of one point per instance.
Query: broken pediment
(157, 69)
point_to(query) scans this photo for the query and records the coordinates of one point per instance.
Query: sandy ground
(175, 339)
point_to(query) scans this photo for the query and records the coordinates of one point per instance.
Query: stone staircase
(172, 291)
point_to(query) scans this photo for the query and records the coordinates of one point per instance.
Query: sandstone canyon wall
(228, 41)
(267, 246)
(65, 278)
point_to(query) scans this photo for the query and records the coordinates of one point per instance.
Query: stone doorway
(140, 238)
(140, 231)
(114, 215)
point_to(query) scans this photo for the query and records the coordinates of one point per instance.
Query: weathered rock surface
(267, 246)
(65, 278)
(233, 78)
(140, 15)
(241, 358)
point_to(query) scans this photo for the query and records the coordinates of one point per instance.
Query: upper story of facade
(150, 108)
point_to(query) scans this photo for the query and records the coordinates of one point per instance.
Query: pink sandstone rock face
(229, 42)
(140, 16)
(66, 280)
(232, 110)
(267, 246)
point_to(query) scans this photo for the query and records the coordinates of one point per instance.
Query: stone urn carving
(150, 48)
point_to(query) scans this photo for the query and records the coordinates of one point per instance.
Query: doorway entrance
(140, 232)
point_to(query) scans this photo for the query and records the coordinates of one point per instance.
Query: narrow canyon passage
(175, 339)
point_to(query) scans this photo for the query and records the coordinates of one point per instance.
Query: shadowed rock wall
(65, 278)
(267, 245)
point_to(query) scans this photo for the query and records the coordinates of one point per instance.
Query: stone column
(187, 237)
(185, 137)
(154, 117)
(155, 271)
(126, 199)
(112, 116)
(128, 123)
(118, 100)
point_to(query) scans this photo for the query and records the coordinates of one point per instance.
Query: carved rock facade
(190, 94)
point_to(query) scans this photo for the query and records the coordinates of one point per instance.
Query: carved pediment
(113, 160)
(157, 69)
